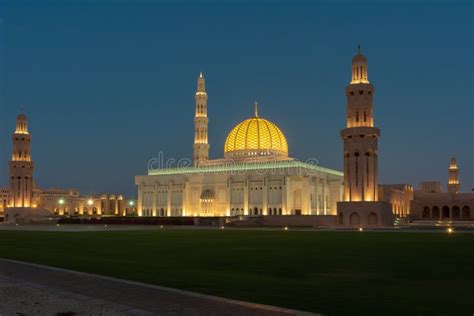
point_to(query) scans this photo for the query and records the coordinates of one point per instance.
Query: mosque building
(255, 179)
(256, 176)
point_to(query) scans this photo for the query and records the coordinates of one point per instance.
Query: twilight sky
(107, 85)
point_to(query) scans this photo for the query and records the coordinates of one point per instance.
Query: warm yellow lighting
(17, 131)
(450, 230)
(361, 229)
(161, 226)
(356, 81)
(131, 203)
(222, 227)
(90, 202)
(255, 136)
(285, 228)
(61, 201)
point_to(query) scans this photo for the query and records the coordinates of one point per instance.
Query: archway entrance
(466, 212)
(426, 212)
(354, 219)
(340, 219)
(456, 212)
(446, 212)
(372, 220)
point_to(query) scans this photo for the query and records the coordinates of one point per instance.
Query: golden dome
(255, 137)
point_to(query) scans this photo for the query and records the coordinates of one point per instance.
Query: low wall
(300, 220)
(129, 220)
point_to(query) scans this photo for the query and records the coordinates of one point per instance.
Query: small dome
(359, 58)
(255, 137)
(21, 117)
(21, 124)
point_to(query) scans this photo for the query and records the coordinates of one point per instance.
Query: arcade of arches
(445, 212)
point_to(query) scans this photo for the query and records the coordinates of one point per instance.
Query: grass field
(335, 273)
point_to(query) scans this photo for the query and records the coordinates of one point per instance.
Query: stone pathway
(30, 289)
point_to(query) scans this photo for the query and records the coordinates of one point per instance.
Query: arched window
(456, 212)
(466, 212)
(340, 219)
(445, 212)
(356, 155)
(354, 219)
(426, 212)
(367, 155)
(435, 212)
(372, 219)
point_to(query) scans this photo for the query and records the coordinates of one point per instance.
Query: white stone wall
(248, 193)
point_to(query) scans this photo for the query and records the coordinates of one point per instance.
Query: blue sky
(109, 84)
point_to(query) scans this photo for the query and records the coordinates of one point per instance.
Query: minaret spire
(201, 146)
(360, 137)
(256, 109)
(21, 166)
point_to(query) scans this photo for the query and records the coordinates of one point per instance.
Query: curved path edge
(153, 299)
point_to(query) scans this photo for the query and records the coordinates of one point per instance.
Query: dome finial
(256, 109)
(358, 49)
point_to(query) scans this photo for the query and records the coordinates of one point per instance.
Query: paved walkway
(30, 289)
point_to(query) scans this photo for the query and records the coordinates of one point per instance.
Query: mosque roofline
(244, 166)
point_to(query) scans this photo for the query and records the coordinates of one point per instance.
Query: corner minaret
(21, 166)
(360, 136)
(201, 145)
(453, 177)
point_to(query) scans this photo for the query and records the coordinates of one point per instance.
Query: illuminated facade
(256, 177)
(360, 137)
(21, 167)
(361, 205)
(23, 201)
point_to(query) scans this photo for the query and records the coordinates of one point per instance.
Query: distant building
(23, 201)
(431, 203)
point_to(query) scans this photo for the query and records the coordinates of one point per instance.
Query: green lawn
(335, 273)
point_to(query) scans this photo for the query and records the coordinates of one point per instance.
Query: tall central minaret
(360, 136)
(201, 145)
(21, 166)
